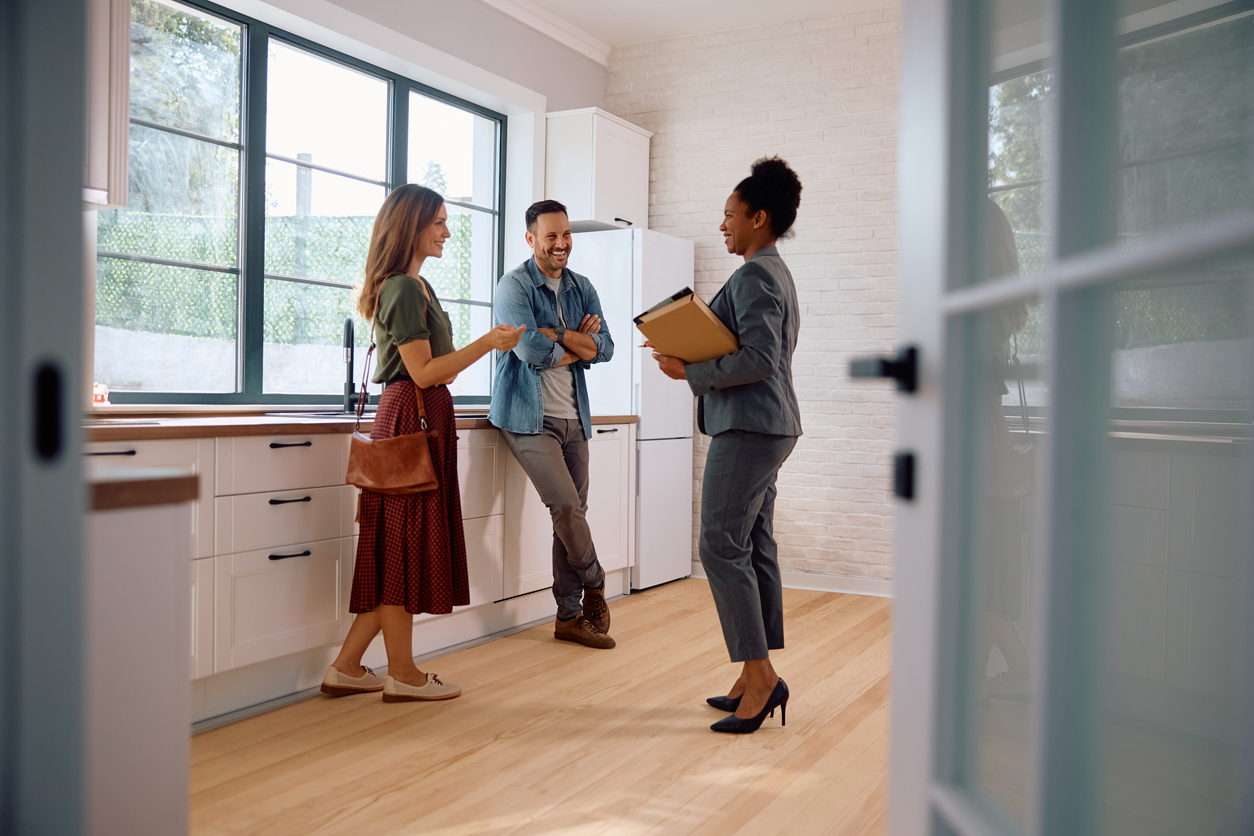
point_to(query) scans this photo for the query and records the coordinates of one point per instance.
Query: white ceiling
(595, 26)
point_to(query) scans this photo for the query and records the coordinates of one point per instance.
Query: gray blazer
(751, 389)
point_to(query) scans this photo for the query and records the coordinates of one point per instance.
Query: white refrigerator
(633, 269)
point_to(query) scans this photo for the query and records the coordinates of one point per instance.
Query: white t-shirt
(557, 386)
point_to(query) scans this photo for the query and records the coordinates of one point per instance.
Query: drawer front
(187, 452)
(251, 464)
(263, 520)
(481, 473)
(266, 607)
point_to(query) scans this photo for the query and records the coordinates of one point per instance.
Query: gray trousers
(556, 462)
(737, 544)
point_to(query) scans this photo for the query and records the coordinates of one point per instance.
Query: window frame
(250, 258)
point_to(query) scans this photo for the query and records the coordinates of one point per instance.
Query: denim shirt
(522, 298)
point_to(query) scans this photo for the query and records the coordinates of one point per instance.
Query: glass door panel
(1176, 554)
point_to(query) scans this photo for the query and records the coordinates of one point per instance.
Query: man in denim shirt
(540, 404)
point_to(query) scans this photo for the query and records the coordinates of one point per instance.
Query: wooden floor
(554, 738)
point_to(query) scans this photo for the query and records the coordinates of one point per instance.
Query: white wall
(494, 41)
(823, 95)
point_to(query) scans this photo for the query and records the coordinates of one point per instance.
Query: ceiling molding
(559, 30)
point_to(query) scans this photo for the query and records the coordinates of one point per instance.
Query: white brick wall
(823, 95)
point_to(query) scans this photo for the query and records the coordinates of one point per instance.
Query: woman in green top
(411, 552)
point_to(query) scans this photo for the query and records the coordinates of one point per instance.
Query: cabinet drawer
(277, 463)
(481, 473)
(267, 606)
(190, 452)
(263, 520)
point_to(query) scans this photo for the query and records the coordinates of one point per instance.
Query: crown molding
(559, 30)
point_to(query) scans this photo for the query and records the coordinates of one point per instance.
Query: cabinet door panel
(622, 175)
(202, 617)
(483, 561)
(251, 464)
(528, 552)
(608, 499)
(262, 520)
(481, 473)
(184, 452)
(267, 607)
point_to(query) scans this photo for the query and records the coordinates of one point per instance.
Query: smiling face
(550, 240)
(742, 231)
(431, 240)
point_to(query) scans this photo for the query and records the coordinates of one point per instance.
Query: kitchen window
(257, 163)
(1184, 156)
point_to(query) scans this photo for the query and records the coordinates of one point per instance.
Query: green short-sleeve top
(406, 314)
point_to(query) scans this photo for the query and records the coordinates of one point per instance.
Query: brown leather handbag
(398, 465)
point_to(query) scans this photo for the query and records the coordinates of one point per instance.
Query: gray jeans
(556, 462)
(737, 545)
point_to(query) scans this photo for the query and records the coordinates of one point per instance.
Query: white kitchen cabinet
(271, 602)
(528, 554)
(194, 453)
(108, 103)
(598, 165)
(202, 617)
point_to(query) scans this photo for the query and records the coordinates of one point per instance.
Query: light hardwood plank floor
(553, 738)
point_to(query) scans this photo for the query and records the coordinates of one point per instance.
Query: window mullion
(398, 134)
(252, 290)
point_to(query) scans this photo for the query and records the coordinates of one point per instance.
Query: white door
(1073, 647)
(605, 258)
(41, 479)
(665, 265)
(663, 512)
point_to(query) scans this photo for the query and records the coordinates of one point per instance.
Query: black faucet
(349, 390)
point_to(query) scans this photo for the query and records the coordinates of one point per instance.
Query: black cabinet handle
(48, 408)
(904, 368)
(278, 445)
(286, 501)
(305, 553)
(608, 431)
(903, 475)
(624, 221)
(115, 453)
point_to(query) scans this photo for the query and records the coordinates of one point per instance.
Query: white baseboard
(875, 587)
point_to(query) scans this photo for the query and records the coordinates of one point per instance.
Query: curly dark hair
(772, 185)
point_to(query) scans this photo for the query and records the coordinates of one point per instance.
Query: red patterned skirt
(411, 550)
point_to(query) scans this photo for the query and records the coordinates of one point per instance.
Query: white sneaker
(434, 689)
(341, 684)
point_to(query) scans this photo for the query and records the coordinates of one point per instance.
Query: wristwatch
(560, 332)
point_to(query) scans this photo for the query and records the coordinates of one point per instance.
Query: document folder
(683, 326)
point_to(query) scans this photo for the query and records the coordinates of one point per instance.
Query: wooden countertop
(113, 488)
(149, 427)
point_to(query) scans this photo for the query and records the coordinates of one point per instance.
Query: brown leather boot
(580, 629)
(596, 609)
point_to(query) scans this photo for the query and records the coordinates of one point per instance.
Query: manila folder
(686, 328)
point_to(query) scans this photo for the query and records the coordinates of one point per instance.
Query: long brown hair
(408, 210)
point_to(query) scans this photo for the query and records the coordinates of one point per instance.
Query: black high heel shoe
(735, 725)
(728, 704)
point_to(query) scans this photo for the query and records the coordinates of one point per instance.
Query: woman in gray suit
(748, 405)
